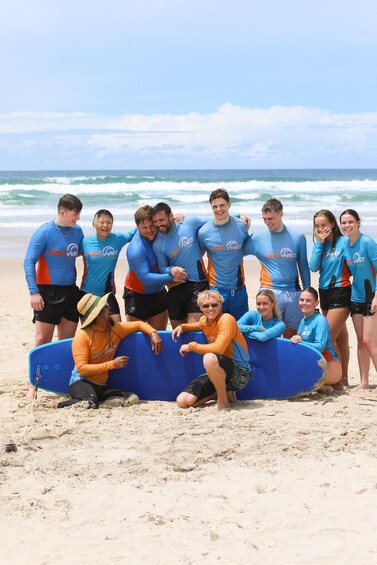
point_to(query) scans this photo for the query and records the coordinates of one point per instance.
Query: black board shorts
(144, 306)
(237, 377)
(182, 299)
(333, 298)
(60, 302)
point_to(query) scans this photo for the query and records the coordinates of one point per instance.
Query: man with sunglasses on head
(226, 357)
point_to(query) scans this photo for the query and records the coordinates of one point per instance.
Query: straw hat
(90, 306)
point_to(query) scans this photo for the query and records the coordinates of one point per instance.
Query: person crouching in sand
(93, 350)
(314, 330)
(226, 357)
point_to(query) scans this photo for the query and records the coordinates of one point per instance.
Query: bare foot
(231, 396)
(361, 386)
(338, 386)
(31, 393)
(325, 389)
(222, 405)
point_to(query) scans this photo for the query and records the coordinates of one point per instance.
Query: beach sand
(268, 481)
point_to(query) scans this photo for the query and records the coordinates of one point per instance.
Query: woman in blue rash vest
(100, 253)
(334, 281)
(314, 330)
(265, 323)
(361, 256)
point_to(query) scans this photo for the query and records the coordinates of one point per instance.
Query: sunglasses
(213, 305)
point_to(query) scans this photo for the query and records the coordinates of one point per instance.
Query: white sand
(267, 482)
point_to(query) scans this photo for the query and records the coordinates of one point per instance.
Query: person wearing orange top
(93, 350)
(226, 357)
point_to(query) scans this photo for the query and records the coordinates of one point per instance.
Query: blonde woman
(265, 323)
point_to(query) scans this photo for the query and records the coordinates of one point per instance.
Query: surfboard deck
(281, 369)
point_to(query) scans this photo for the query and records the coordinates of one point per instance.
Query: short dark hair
(70, 202)
(311, 291)
(161, 207)
(102, 212)
(350, 212)
(142, 214)
(272, 205)
(219, 193)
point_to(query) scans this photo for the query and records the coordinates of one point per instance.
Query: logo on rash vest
(332, 253)
(287, 253)
(185, 241)
(72, 250)
(109, 251)
(233, 245)
(357, 260)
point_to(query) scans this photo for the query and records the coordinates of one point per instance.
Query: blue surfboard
(281, 369)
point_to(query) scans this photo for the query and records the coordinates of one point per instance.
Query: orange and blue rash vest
(93, 349)
(180, 248)
(361, 259)
(315, 331)
(329, 259)
(54, 250)
(282, 255)
(223, 243)
(100, 259)
(224, 338)
(143, 276)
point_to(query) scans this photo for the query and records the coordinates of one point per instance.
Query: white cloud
(232, 136)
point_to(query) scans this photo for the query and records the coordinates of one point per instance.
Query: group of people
(166, 251)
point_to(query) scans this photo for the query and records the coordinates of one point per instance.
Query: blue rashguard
(180, 248)
(100, 259)
(223, 244)
(143, 276)
(361, 260)
(331, 263)
(54, 250)
(251, 323)
(282, 255)
(315, 331)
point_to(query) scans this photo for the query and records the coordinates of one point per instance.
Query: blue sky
(188, 84)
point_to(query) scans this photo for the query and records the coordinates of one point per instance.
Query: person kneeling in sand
(93, 350)
(225, 357)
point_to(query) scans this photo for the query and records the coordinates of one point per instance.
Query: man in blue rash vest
(51, 273)
(176, 246)
(145, 296)
(282, 254)
(222, 238)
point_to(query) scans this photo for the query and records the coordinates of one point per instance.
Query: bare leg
(339, 337)
(362, 351)
(43, 334)
(217, 376)
(66, 329)
(289, 332)
(231, 394)
(193, 317)
(160, 321)
(185, 400)
(370, 337)
(175, 323)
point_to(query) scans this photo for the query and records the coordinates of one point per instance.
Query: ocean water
(28, 199)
